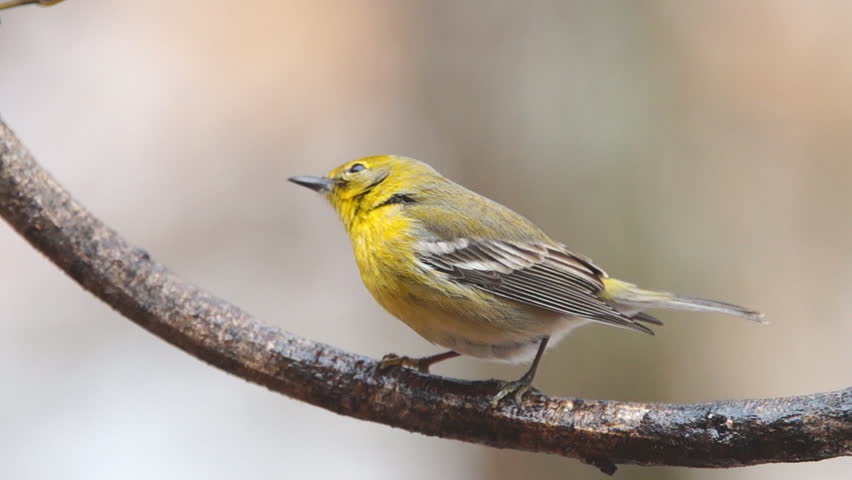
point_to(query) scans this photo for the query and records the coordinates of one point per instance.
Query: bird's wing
(535, 273)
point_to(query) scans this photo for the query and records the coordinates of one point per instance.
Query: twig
(602, 433)
(20, 3)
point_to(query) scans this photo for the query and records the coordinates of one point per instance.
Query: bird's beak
(317, 184)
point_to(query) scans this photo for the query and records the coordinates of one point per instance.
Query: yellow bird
(471, 275)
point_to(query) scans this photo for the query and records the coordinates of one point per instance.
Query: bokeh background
(703, 147)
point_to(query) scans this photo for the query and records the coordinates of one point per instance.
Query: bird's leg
(520, 386)
(422, 364)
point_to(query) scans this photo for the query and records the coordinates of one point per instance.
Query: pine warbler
(468, 274)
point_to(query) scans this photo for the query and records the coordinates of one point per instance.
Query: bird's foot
(517, 387)
(392, 360)
(422, 364)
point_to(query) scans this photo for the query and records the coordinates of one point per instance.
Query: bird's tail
(630, 297)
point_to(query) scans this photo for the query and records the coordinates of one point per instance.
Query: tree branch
(21, 3)
(602, 433)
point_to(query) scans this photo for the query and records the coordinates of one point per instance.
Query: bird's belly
(461, 318)
(505, 330)
(512, 350)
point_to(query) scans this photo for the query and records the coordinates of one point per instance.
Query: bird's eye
(355, 168)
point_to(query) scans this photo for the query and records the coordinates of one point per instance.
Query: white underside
(514, 352)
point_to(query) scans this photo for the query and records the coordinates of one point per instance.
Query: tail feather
(633, 298)
(683, 302)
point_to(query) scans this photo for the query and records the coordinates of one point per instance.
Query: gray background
(702, 147)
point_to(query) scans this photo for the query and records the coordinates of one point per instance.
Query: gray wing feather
(539, 274)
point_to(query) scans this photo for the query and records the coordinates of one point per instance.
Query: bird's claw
(518, 387)
(392, 360)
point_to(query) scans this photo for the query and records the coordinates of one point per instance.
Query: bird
(472, 276)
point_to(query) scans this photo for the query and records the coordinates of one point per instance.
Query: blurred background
(702, 147)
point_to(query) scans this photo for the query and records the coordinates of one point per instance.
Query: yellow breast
(445, 313)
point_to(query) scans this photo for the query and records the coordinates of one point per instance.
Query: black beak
(317, 184)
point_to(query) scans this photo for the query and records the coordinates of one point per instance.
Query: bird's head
(361, 186)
